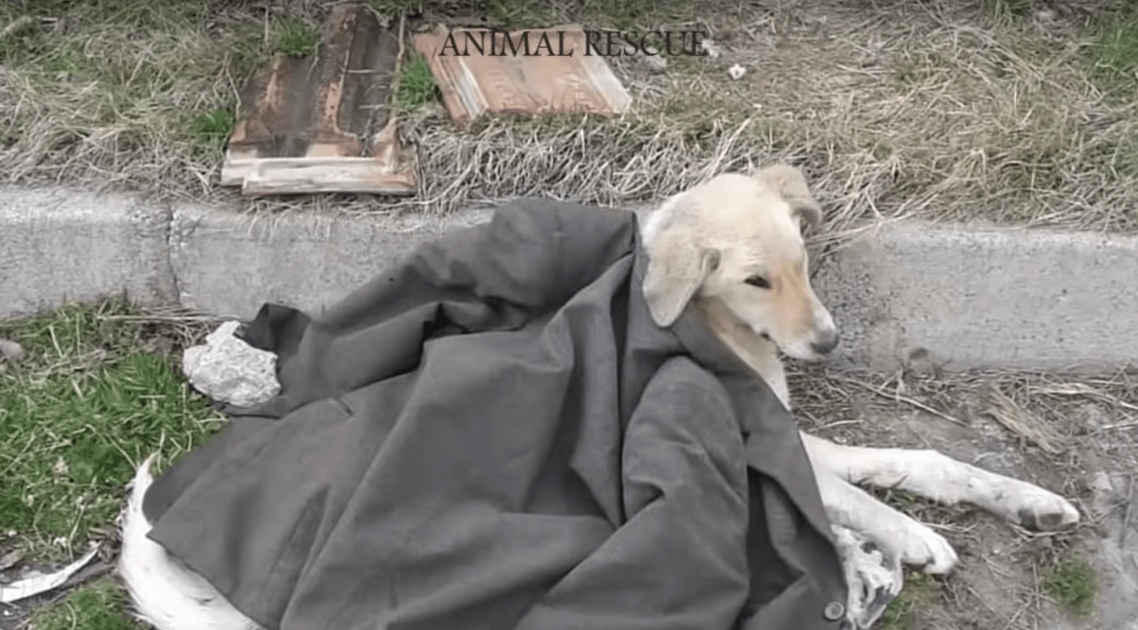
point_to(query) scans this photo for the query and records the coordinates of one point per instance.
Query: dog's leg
(899, 535)
(936, 476)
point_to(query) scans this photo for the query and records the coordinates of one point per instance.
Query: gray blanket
(494, 434)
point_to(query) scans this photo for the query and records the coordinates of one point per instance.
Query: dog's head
(738, 239)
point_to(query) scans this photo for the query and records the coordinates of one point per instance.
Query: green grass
(97, 605)
(920, 590)
(95, 393)
(1114, 55)
(1072, 584)
(295, 37)
(416, 84)
(213, 126)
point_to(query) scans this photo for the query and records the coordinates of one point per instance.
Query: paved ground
(942, 297)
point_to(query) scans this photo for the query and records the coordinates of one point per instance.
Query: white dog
(733, 249)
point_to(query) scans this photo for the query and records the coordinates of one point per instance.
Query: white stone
(229, 370)
(710, 47)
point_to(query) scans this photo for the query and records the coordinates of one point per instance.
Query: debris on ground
(35, 582)
(709, 46)
(1016, 419)
(321, 123)
(229, 370)
(10, 350)
(736, 72)
(495, 80)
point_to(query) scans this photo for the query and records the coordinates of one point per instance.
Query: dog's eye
(758, 281)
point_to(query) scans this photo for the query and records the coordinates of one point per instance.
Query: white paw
(873, 577)
(919, 546)
(1036, 508)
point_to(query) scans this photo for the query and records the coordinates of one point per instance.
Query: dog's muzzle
(825, 342)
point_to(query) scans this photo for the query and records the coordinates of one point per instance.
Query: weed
(295, 37)
(1072, 584)
(92, 398)
(213, 126)
(97, 605)
(920, 589)
(1114, 56)
(416, 84)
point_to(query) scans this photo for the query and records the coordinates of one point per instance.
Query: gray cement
(914, 294)
(961, 298)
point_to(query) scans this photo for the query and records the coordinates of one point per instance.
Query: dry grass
(943, 110)
(113, 94)
(939, 110)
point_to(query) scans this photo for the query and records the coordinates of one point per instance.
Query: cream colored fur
(703, 245)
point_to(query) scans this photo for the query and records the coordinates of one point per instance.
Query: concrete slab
(60, 244)
(961, 297)
(916, 294)
(230, 264)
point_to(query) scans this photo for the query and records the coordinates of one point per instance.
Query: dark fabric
(494, 434)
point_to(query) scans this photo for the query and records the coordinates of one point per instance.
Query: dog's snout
(826, 342)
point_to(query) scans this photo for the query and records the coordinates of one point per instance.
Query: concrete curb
(910, 293)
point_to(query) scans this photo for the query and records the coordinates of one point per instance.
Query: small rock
(736, 71)
(9, 560)
(229, 370)
(710, 47)
(10, 350)
(655, 63)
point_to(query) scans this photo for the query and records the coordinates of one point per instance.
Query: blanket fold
(494, 434)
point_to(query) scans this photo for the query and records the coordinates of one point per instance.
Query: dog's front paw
(919, 546)
(1038, 509)
(873, 577)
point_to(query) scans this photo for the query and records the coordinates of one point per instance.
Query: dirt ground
(1094, 463)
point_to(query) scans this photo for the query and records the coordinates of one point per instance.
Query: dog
(731, 248)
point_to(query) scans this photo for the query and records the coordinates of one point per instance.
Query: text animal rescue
(603, 43)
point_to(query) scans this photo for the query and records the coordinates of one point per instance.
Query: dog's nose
(825, 343)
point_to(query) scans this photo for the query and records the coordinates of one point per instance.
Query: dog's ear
(677, 266)
(790, 184)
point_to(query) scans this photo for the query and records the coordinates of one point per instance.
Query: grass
(938, 110)
(520, 14)
(416, 85)
(943, 110)
(96, 392)
(1072, 584)
(295, 37)
(920, 590)
(97, 605)
(1114, 55)
(126, 94)
(212, 127)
